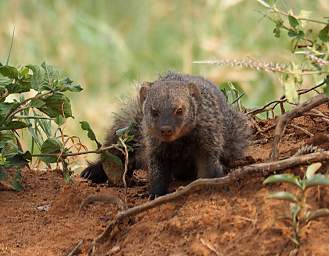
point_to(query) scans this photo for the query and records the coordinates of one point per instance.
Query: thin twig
(238, 174)
(11, 45)
(126, 167)
(282, 100)
(296, 112)
(275, 9)
(268, 128)
(209, 246)
(76, 248)
(21, 107)
(34, 117)
(98, 151)
(302, 129)
(238, 98)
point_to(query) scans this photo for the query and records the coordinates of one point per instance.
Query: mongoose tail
(95, 173)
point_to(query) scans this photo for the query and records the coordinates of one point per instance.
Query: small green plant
(233, 94)
(33, 98)
(300, 211)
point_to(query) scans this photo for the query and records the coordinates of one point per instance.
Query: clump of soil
(44, 219)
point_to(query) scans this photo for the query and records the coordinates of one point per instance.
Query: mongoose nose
(166, 130)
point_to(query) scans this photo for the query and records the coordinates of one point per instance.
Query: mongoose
(186, 129)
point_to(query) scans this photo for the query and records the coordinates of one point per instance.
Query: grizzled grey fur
(187, 130)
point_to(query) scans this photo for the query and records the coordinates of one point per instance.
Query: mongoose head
(169, 108)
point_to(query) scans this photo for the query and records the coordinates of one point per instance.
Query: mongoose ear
(194, 90)
(145, 86)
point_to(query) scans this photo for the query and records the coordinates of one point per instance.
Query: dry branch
(238, 174)
(302, 130)
(296, 112)
(271, 105)
(76, 249)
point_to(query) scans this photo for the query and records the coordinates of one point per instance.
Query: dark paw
(153, 196)
(217, 172)
(156, 193)
(95, 173)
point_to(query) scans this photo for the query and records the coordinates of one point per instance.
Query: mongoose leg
(160, 176)
(209, 166)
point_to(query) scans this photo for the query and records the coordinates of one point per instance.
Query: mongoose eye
(154, 113)
(179, 111)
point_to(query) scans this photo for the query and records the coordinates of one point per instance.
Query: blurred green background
(110, 45)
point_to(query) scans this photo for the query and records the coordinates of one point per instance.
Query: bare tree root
(103, 198)
(288, 116)
(238, 174)
(76, 249)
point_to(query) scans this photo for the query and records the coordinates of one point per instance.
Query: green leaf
(299, 34)
(14, 125)
(312, 169)
(294, 209)
(59, 120)
(6, 108)
(4, 81)
(326, 80)
(283, 195)
(51, 146)
(10, 72)
(91, 135)
(276, 31)
(324, 34)
(17, 181)
(278, 178)
(5, 137)
(14, 181)
(292, 33)
(10, 149)
(57, 104)
(324, 212)
(293, 21)
(86, 127)
(37, 103)
(38, 78)
(113, 158)
(326, 90)
(18, 87)
(68, 85)
(17, 160)
(315, 180)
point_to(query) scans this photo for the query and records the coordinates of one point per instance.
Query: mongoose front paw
(154, 194)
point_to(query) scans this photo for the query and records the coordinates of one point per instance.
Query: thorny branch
(264, 169)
